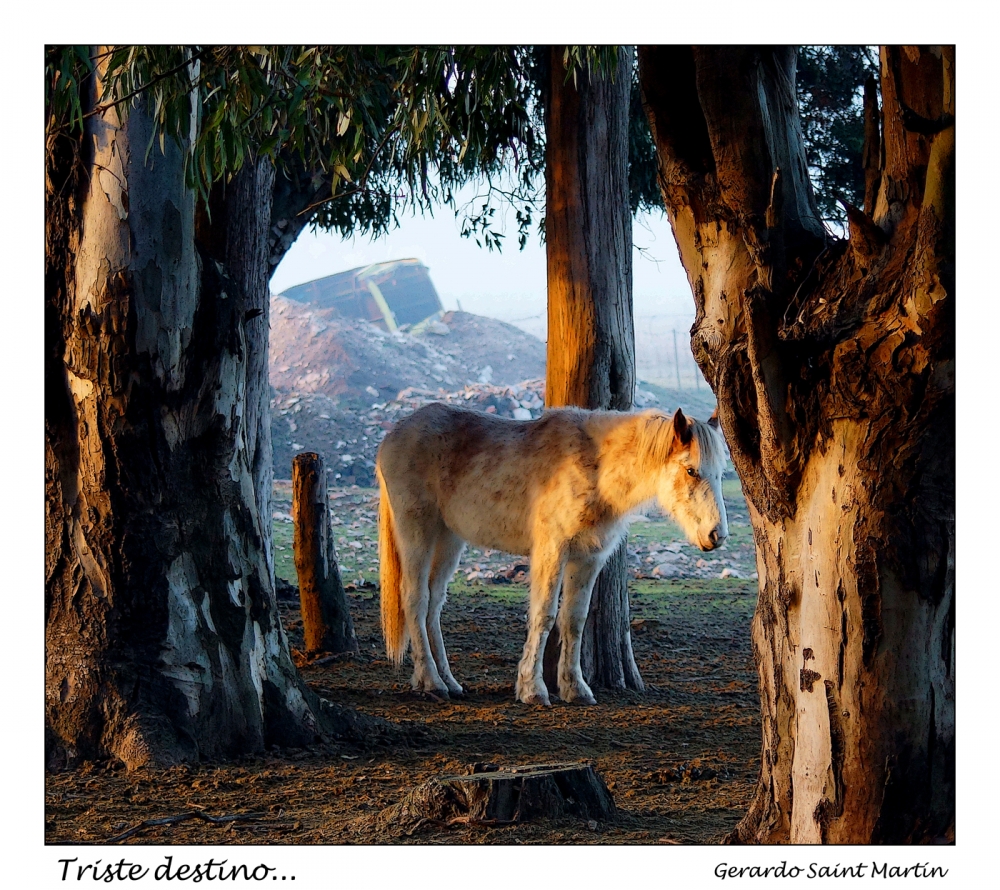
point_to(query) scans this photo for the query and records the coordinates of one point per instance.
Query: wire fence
(662, 348)
(663, 352)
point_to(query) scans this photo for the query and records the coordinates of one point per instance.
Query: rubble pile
(348, 435)
(315, 350)
(339, 384)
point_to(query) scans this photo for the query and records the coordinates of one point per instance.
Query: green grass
(657, 532)
(284, 560)
(707, 597)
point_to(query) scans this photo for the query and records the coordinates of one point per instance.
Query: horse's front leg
(546, 576)
(577, 589)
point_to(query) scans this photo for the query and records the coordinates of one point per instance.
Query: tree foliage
(829, 82)
(385, 128)
(379, 130)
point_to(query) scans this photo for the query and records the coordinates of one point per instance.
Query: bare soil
(681, 759)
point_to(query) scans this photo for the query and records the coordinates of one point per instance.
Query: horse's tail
(389, 577)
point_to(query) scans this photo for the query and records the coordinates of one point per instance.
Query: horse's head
(690, 485)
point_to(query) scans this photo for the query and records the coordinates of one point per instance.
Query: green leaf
(344, 123)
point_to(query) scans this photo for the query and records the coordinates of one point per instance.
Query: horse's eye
(691, 471)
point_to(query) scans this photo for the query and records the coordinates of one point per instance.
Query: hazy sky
(508, 285)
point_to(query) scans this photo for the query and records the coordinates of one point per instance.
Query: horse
(560, 489)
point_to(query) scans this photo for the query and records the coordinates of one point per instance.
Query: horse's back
(480, 473)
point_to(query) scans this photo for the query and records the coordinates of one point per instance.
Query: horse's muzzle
(715, 539)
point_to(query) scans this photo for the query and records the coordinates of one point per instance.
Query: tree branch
(105, 106)
(184, 817)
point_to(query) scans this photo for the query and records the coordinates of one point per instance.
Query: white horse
(559, 489)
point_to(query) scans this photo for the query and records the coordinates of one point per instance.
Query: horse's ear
(713, 421)
(682, 429)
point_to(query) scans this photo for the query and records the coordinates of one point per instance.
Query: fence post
(326, 620)
(677, 359)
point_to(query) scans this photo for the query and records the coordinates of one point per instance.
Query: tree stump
(497, 797)
(326, 620)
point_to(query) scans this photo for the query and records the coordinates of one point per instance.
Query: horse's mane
(655, 435)
(711, 445)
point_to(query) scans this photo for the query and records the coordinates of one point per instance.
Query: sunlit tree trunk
(590, 360)
(833, 364)
(163, 641)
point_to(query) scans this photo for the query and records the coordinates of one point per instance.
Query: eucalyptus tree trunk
(833, 362)
(163, 641)
(590, 359)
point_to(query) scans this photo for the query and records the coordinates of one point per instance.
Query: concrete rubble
(338, 385)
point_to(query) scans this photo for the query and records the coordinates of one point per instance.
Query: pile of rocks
(339, 384)
(314, 350)
(348, 435)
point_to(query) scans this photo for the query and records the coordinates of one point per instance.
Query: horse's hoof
(434, 691)
(455, 688)
(535, 698)
(578, 695)
(429, 687)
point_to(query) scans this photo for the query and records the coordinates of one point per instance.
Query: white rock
(666, 570)
(521, 414)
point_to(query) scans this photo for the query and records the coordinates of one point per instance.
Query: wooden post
(326, 619)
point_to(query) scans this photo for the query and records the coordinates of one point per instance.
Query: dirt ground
(680, 759)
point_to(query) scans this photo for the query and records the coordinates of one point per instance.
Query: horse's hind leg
(416, 551)
(546, 575)
(447, 552)
(577, 589)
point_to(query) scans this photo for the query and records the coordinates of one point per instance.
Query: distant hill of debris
(340, 383)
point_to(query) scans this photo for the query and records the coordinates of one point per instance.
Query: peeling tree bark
(590, 359)
(163, 641)
(833, 363)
